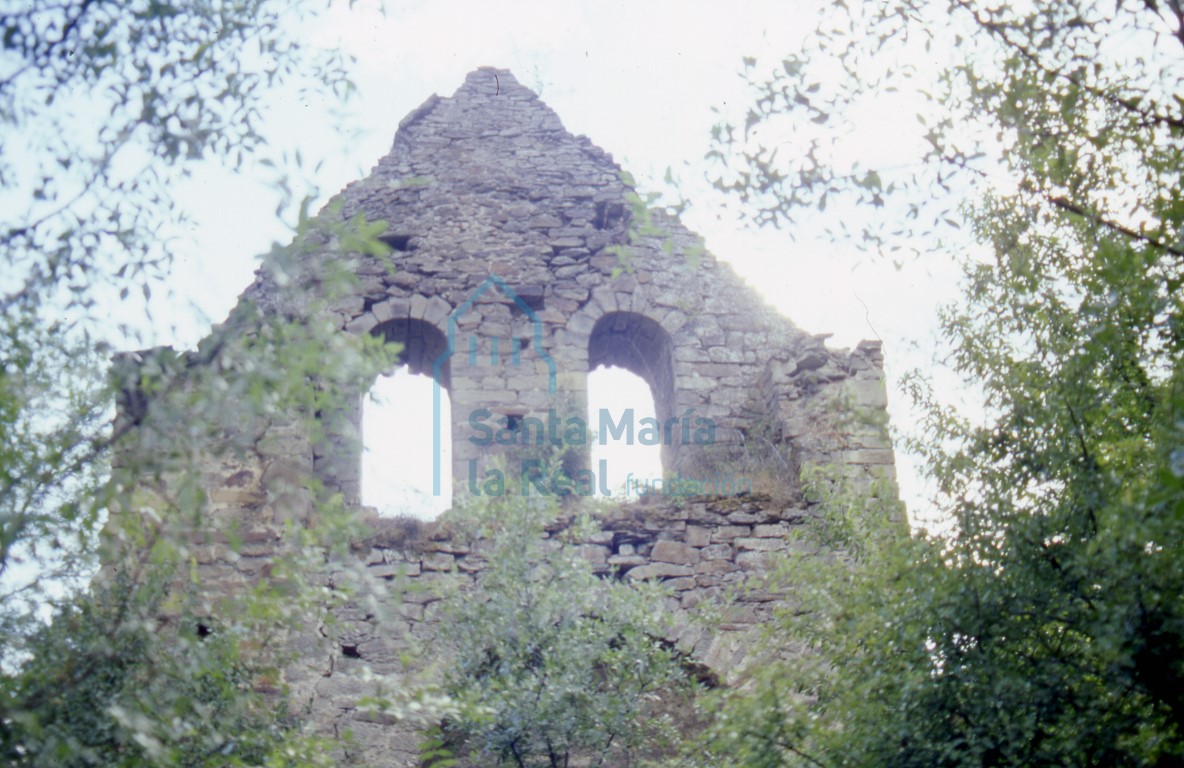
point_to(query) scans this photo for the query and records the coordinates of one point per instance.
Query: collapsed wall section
(714, 555)
(520, 259)
(528, 254)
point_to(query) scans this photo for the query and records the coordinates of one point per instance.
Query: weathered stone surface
(769, 531)
(659, 570)
(391, 309)
(752, 561)
(502, 226)
(698, 536)
(438, 561)
(716, 566)
(869, 392)
(763, 545)
(870, 456)
(595, 554)
(674, 552)
(717, 552)
(728, 532)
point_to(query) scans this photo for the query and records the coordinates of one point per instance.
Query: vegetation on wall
(104, 106)
(553, 664)
(1046, 627)
(106, 686)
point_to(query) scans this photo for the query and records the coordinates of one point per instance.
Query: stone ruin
(523, 259)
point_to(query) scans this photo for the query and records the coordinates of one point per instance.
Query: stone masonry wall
(711, 552)
(521, 260)
(701, 548)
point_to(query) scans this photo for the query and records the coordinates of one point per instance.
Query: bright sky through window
(648, 91)
(615, 390)
(397, 447)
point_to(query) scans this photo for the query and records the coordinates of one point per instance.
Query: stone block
(605, 298)
(386, 570)
(594, 553)
(869, 393)
(472, 564)
(392, 309)
(438, 561)
(716, 566)
(777, 530)
(870, 456)
(752, 561)
(419, 305)
(237, 497)
(698, 536)
(660, 570)
(762, 545)
(716, 552)
(437, 312)
(675, 552)
(729, 532)
(362, 324)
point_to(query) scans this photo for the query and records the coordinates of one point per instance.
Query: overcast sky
(641, 80)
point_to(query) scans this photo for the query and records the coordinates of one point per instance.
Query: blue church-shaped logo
(473, 346)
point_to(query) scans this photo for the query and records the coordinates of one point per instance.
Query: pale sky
(640, 79)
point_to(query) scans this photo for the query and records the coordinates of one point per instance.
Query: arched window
(617, 396)
(406, 462)
(398, 423)
(625, 405)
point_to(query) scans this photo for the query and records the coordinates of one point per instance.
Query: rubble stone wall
(711, 553)
(522, 259)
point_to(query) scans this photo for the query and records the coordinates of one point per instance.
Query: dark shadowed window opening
(398, 242)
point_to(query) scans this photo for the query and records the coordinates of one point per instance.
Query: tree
(1047, 627)
(120, 692)
(103, 107)
(552, 663)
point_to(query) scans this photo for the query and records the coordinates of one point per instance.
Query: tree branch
(1130, 105)
(1069, 206)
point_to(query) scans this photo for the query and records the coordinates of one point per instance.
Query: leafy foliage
(52, 412)
(104, 106)
(1047, 626)
(553, 664)
(108, 687)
